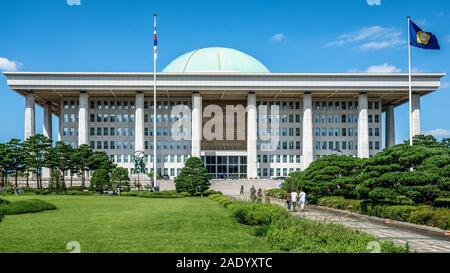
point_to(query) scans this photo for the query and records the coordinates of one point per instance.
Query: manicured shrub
(78, 193)
(432, 217)
(4, 202)
(442, 202)
(257, 214)
(162, 194)
(224, 201)
(210, 192)
(303, 235)
(276, 193)
(41, 191)
(421, 215)
(214, 196)
(28, 206)
(131, 193)
(75, 188)
(339, 202)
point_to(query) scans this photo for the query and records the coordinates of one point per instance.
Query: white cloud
(278, 37)
(439, 133)
(73, 2)
(7, 65)
(371, 38)
(441, 14)
(384, 68)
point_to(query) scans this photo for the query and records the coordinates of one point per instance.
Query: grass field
(127, 224)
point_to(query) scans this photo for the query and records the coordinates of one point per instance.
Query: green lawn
(127, 224)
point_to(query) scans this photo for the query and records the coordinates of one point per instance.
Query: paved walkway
(418, 241)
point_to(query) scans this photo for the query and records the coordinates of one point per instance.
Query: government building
(318, 113)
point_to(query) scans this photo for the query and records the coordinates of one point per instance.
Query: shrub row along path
(418, 241)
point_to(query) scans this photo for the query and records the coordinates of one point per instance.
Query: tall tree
(62, 156)
(100, 160)
(81, 158)
(193, 177)
(3, 163)
(37, 151)
(120, 179)
(16, 158)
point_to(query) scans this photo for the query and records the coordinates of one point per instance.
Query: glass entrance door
(226, 167)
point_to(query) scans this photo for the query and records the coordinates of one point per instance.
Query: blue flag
(422, 39)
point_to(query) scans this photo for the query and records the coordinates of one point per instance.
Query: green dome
(215, 59)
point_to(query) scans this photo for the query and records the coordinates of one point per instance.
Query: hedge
(421, 215)
(303, 235)
(221, 199)
(28, 206)
(257, 214)
(442, 202)
(160, 194)
(276, 193)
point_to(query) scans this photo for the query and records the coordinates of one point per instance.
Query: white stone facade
(319, 114)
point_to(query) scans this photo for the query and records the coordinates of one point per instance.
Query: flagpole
(410, 83)
(155, 184)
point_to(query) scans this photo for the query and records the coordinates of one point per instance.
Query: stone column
(415, 115)
(390, 126)
(47, 120)
(139, 122)
(307, 134)
(252, 169)
(363, 126)
(83, 119)
(30, 123)
(197, 124)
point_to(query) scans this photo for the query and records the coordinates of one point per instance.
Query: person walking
(253, 194)
(259, 196)
(241, 192)
(302, 199)
(288, 200)
(294, 198)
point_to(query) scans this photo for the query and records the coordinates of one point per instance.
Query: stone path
(419, 242)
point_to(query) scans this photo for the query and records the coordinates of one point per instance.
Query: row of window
(343, 105)
(319, 105)
(282, 131)
(125, 145)
(148, 159)
(343, 118)
(278, 158)
(344, 132)
(280, 145)
(343, 145)
(271, 172)
(291, 118)
(114, 131)
(74, 104)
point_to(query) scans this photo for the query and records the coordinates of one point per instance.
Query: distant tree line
(27, 158)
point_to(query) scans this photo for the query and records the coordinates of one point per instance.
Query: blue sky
(286, 35)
